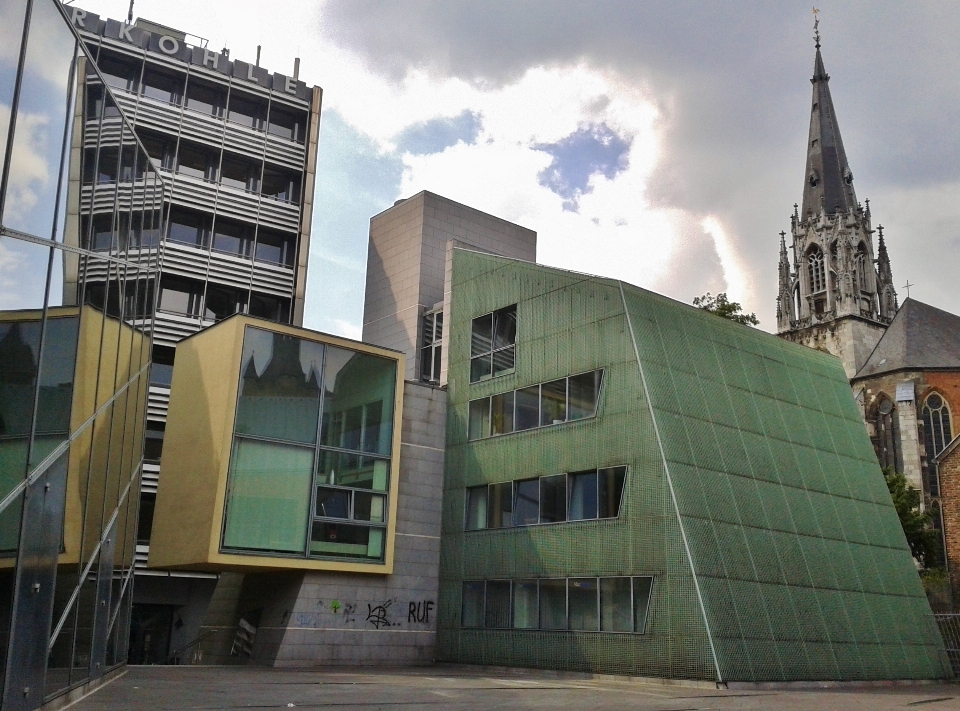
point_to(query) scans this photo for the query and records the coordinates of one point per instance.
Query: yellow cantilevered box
(280, 452)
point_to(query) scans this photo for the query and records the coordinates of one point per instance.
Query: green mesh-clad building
(637, 487)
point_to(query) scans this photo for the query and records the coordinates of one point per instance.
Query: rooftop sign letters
(175, 47)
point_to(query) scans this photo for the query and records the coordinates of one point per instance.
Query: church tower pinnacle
(836, 295)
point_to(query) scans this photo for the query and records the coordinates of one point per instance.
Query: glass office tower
(80, 227)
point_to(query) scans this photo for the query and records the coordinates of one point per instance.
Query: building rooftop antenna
(130, 14)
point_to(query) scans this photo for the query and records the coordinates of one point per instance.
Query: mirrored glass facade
(79, 225)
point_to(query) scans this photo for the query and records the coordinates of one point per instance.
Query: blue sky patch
(436, 135)
(591, 149)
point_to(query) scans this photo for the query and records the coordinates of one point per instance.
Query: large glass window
(579, 496)
(268, 497)
(180, 296)
(578, 604)
(336, 405)
(543, 405)
(493, 344)
(279, 386)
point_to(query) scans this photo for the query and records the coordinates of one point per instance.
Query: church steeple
(835, 295)
(828, 183)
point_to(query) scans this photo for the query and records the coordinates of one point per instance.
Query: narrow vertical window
(553, 498)
(527, 408)
(476, 517)
(497, 613)
(583, 496)
(815, 271)
(479, 419)
(584, 610)
(430, 351)
(501, 413)
(553, 402)
(642, 587)
(553, 604)
(526, 614)
(611, 491)
(584, 395)
(471, 611)
(500, 505)
(616, 613)
(526, 504)
(937, 429)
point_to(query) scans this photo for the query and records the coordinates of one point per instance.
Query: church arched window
(937, 431)
(815, 270)
(886, 434)
(860, 265)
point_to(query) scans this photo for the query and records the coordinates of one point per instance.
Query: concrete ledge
(77, 693)
(555, 674)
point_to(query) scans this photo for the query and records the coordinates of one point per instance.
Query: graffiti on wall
(380, 614)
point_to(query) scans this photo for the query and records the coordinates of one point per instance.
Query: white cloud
(12, 264)
(29, 170)
(347, 329)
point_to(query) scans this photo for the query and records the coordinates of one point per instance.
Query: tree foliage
(923, 539)
(720, 306)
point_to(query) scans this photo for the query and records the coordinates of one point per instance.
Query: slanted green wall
(566, 324)
(803, 569)
(803, 565)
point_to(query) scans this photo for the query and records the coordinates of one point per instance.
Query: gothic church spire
(828, 184)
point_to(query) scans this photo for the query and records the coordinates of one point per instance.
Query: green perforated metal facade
(752, 496)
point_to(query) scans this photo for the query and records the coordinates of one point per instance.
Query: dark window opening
(159, 148)
(280, 185)
(247, 110)
(275, 247)
(886, 435)
(161, 372)
(206, 97)
(273, 308)
(233, 237)
(288, 123)
(188, 227)
(222, 301)
(240, 173)
(145, 517)
(163, 85)
(196, 161)
(118, 71)
(180, 296)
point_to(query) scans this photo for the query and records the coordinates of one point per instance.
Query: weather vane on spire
(816, 26)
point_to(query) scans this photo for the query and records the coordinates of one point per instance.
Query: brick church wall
(950, 503)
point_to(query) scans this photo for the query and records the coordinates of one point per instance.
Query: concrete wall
(407, 264)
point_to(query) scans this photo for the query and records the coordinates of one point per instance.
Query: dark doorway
(150, 627)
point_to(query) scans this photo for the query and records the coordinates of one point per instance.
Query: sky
(659, 143)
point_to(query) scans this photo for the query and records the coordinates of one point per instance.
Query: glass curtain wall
(78, 264)
(310, 467)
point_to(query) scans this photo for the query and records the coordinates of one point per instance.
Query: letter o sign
(168, 45)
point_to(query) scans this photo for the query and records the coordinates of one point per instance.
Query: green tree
(724, 308)
(923, 539)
